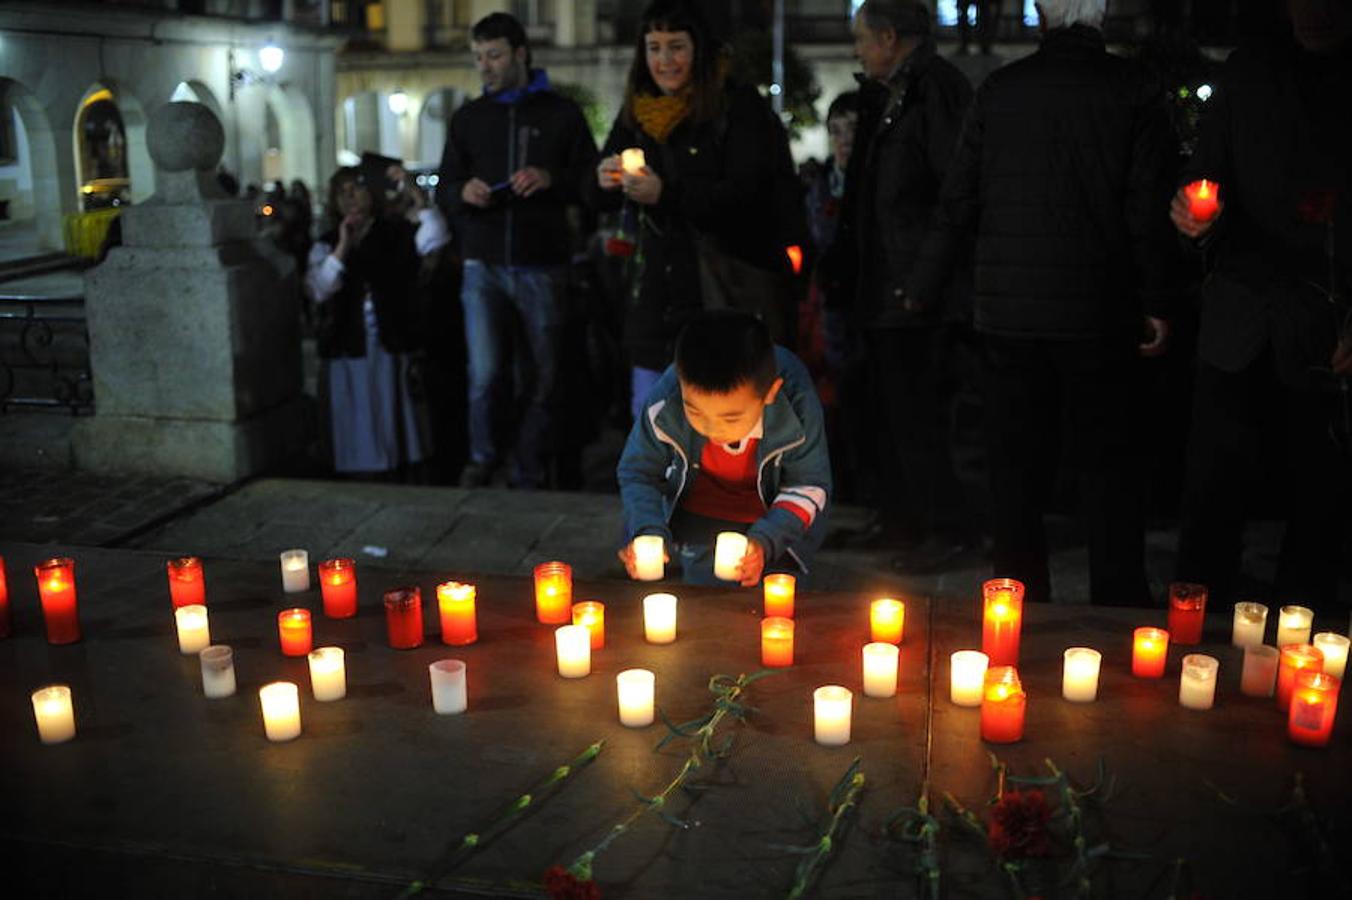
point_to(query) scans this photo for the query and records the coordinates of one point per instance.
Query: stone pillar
(193, 326)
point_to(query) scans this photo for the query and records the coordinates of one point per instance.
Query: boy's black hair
(501, 25)
(722, 350)
(843, 105)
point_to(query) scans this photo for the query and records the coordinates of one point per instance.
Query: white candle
(728, 553)
(648, 552)
(328, 673)
(218, 671)
(880, 669)
(1293, 625)
(1197, 685)
(54, 714)
(968, 677)
(450, 689)
(633, 160)
(194, 635)
(1259, 677)
(572, 644)
(281, 710)
(634, 687)
(659, 618)
(1334, 647)
(1250, 622)
(831, 715)
(1080, 674)
(295, 571)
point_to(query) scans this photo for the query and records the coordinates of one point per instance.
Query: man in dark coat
(1062, 173)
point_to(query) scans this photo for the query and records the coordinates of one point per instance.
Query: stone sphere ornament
(183, 136)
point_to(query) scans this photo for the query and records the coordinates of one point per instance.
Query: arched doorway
(434, 121)
(284, 149)
(112, 163)
(28, 174)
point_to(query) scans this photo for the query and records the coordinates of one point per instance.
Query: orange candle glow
(887, 620)
(186, 585)
(338, 587)
(1150, 649)
(56, 589)
(293, 629)
(1203, 199)
(779, 591)
(776, 642)
(593, 615)
(1314, 705)
(1002, 620)
(1295, 657)
(1003, 703)
(459, 621)
(4, 601)
(554, 593)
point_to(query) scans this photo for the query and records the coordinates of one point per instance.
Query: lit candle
(4, 601)
(186, 584)
(728, 553)
(1197, 684)
(1259, 678)
(294, 632)
(450, 689)
(632, 160)
(403, 617)
(218, 672)
(54, 714)
(194, 633)
(1334, 647)
(554, 593)
(1293, 625)
(779, 590)
(634, 688)
(831, 707)
(1003, 703)
(572, 644)
(1295, 657)
(1249, 625)
(1314, 705)
(887, 620)
(649, 550)
(1002, 620)
(281, 710)
(328, 674)
(459, 621)
(1080, 674)
(776, 642)
(591, 615)
(967, 677)
(295, 571)
(880, 669)
(1202, 199)
(338, 587)
(1187, 612)
(1150, 650)
(56, 589)
(659, 618)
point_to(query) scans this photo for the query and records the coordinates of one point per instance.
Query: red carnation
(564, 885)
(618, 246)
(1018, 826)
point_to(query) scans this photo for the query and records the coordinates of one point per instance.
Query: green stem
(811, 865)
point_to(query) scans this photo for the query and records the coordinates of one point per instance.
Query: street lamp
(398, 102)
(270, 57)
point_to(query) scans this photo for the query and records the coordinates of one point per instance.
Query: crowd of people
(1028, 242)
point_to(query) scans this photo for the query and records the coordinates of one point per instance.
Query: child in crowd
(730, 439)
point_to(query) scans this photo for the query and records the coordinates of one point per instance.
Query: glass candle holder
(554, 593)
(294, 632)
(1197, 684)
(1003, 704)
(187, 586)
(1203, 199)
(450, 690)
(403, 617)
(295, 571)
(1314, 706)
(591, 614)
(776, 642)
(218, 671)
(1294, 624)
(1259, 678)
(1002, 620)
(5, 620)
(649, 557)
(887, 621)
(1249, 624)
(634, 690)
(459, 618)
(1080, 674)
(967, 677)
(880, 669)
(54, 714)
(1295, 657)
(632, 160)
(729, 548)
(1334, 647)
(328, 674)
(56, 590)
(194, 630)
(338, 587)
(1187, 612)
(832, 706)
(1149, 652)
(280, 701)
(779, 589)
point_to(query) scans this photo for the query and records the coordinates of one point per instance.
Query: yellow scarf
(659, 116)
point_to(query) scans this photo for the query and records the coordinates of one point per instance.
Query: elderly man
(1062, 174)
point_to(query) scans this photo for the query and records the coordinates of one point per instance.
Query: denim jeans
(506, 307)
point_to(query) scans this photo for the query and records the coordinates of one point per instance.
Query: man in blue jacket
(730, 439)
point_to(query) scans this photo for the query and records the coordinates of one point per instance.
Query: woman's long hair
(707, 71)
(333, 215)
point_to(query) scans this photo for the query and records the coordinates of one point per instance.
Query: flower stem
(853, 783)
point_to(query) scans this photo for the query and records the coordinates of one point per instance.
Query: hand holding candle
(729, 549)
(633, 161)
(649, 555)
(1203, 200)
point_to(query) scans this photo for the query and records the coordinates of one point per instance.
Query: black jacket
(490, 139)
(1062, 172)
(386, 264)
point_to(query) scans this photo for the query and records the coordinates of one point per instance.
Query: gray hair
(1064, 13)
(901, 16)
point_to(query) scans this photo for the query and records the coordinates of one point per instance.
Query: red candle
(403, 617)
(4, 601)
(1314, 703)
(779, 590)
(554, 593)
(593, 615)
(887, 620)
(1295, 657)
(56, 588)
(459, 623)
(1002, 620)
(338, 587)
(293, 629)
(1003, 703)
(776, 642)
(186, 585)
(1203, 197)
(1149, 651)
(1187, 612)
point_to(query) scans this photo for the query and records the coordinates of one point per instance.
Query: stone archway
(434, 121)
(286, 148)
(131, 118)
(37, 180)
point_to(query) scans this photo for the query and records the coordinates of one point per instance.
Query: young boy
(730, 439)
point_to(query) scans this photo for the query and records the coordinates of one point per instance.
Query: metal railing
(44, 354)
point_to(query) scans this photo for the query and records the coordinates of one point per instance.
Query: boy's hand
(626, 556)
(752, 564)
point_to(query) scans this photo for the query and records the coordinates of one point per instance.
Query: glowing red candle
(776, 642)
(779, 590)
(1002, 620)
(186, 584)
(56, 589)
(554, 593)
(1003, 704)
(1187, 612)
(1314, 704)
(1203, 199)
(403, 617)
(4, 601)
(593, 615)
(1149, 652)
(1295, 657)
(459, 621)
(338, 587)
(294, 632)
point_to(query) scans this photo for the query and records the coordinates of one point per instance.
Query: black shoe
(934, 554)
(476, 475)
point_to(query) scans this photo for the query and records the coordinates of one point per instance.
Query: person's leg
(488, 321)
(538, 297)
(889, 388)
